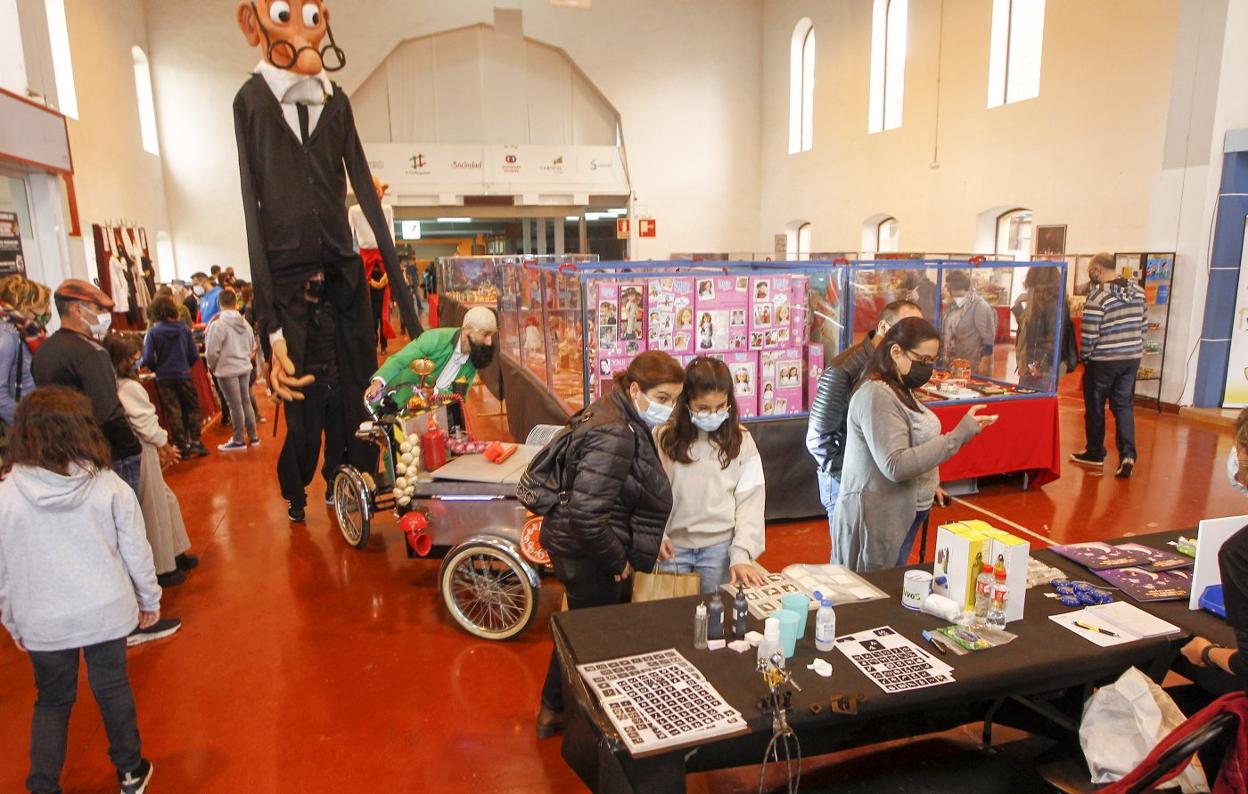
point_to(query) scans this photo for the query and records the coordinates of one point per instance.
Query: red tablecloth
(203, 389)
(1026, 437)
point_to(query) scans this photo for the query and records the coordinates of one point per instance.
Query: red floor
(308, 666)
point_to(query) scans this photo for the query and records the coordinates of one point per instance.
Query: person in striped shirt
(1110, 345)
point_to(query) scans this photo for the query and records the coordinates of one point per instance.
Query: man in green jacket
(456, 353)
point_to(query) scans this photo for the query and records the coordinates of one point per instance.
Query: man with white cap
(456, 353)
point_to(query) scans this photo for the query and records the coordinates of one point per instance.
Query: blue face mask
(709, 422)
(656, 414)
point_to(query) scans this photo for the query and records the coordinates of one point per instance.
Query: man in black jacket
(825, 432)
(73, 357)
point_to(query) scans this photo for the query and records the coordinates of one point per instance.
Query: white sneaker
(232, 446)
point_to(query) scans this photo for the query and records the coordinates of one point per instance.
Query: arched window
(888, 64)
(802, 87)
(798, 243)
(62, 63)
(1014, 55)
(147, 104)
(887, 235)
(1014, 234)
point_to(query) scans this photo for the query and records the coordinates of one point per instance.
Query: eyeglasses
(339, 58)
(921, 359)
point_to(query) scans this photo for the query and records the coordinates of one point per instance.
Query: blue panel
(1228, 241)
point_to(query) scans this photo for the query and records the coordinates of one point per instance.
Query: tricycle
(492, 560)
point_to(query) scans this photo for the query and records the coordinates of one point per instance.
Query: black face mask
(480, 356)
(918, 376)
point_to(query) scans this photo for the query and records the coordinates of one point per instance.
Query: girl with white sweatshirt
(716, 527)
(76, 577)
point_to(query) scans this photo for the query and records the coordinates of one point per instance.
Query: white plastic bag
(1121, 725)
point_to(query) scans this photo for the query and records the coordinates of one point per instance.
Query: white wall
(683, 76)
(114, 177)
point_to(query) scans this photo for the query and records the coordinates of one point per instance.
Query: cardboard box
(670, 314)
(721, 309)
(780, 373)
(958, 550)
(1016, 553)
(770, 316)
(745, 379)
(608, 366)
(631, 334)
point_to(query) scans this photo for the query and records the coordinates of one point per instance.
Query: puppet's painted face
(290, 34)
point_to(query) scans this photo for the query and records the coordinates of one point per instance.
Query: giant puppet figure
(296, 138)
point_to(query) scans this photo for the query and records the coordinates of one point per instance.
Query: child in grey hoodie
(229, 344)
(76, 575)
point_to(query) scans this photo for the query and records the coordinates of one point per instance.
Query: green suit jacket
(437, 345)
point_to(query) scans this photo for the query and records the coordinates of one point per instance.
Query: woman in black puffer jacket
(618, 500)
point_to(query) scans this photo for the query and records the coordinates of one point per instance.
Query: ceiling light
(572, 218)
(572, 3)
(454, 220)
(619, 211)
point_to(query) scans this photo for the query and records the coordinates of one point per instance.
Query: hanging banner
(1236, 392)
(11, 260)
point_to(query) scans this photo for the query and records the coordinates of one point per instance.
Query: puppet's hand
(282, 375)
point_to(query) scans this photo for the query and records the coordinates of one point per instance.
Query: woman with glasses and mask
(893, 449)
(716, 528)
(24, 314)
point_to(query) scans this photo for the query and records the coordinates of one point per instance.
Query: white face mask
(709, 422)
(1232, 468)
(959, 301)
(101, 325)
(656, 413)
(198, 290)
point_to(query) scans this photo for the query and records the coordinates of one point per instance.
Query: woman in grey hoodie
(893, 449)
(76, 575)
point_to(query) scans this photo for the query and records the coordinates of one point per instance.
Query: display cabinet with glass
(1154, 272)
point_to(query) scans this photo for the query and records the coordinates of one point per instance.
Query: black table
(1046, 664)
(1193, 622)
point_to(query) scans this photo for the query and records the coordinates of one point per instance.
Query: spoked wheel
(488, 592)
(352, 506)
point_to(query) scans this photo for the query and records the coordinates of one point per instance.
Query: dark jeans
(1113, 381)
(129, 469)
(181, 404)
(379, 300)
(56, 678)
(907, 545)
(320, 412)
(587, 585)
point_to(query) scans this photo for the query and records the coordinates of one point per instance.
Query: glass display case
(776, 323)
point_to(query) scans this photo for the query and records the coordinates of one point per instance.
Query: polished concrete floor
(308, 666)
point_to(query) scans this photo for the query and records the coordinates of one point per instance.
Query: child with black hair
(716, 527)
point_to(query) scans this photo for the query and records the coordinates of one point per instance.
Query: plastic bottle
(740, 609)
(770, 645)
(715, 628)
(983, 591)
(699, 627)
(825, 626)
(433, 446)
(996, 612)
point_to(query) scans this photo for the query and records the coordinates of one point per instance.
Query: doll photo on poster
(706, 289)
(741, 379)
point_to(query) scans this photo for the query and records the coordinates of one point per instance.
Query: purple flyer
(1144, 585)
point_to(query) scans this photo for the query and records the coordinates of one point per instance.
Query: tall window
(887, 235)
(166, 269)
(802, 87)
(1014, 56)
(147, 105)
(798, 241)
(1014, 234)
(888, 64)
(62, 64)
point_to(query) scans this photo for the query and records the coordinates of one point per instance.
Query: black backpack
(544, 482)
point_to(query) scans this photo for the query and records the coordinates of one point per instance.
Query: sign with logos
(645, 227)
(11, 260)
(622, 227)
(433, 174)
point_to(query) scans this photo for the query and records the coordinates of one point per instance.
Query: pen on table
(1097, 629)
(927, 635)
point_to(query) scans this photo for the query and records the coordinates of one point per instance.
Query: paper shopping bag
(657, 586)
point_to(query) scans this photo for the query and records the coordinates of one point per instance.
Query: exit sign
(645, 227)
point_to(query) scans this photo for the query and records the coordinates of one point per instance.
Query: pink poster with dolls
(744, 370)
(608, 367)
(771, 314)
(632, 314)
(780, 373)
(814, 369)
(721, 311)
(670, 322)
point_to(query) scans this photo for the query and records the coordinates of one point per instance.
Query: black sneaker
(186, 561)
(1126, 468)
(135, 781)
(295, 513)
(1084, 459)
(171, 579)
(165, 627)
(199, 450)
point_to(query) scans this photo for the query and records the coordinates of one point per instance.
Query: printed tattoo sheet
(892, 662)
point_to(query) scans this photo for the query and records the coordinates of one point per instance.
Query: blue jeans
(128, 469)
(711, 563)
(829, 490)
(907, 545)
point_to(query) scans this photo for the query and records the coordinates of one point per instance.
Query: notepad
(1128, 622)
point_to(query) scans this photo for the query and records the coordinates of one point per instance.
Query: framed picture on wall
(1051, 240)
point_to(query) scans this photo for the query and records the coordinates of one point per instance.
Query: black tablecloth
(1044, 658)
